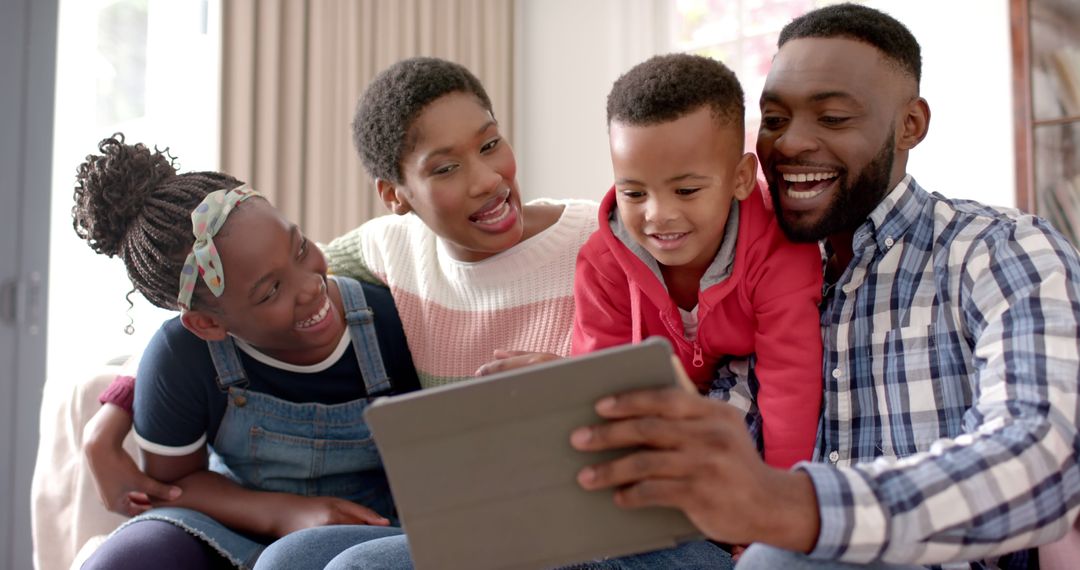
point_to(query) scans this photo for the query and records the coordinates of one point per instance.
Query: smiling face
(837, 121)
(674, 183)
(276, 296)
(459, 178)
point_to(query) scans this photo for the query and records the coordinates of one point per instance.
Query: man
(951, 344)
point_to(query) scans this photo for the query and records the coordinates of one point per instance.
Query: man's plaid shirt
(952, 362)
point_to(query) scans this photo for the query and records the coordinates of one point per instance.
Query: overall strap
(361, 321)
(230, 372)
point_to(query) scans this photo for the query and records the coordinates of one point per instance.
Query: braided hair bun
(111, 189)
(130, 202)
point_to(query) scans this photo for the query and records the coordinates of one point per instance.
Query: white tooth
(803, 195)
(504, 211)
(811, 177)
(317, 317)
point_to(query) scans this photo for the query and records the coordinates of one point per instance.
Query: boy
(687, 249)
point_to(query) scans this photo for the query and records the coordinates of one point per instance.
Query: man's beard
(850, 205)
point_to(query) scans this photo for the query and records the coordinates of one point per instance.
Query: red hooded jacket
(767, 305)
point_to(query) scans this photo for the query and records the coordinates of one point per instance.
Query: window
(149, 69)
(740, 33)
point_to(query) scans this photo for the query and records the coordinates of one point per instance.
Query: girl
(251, 399)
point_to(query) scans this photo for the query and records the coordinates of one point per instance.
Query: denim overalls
(311, 449)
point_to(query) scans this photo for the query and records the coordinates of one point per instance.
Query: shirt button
(836, 373)
(834, 456)
(240, 401)
(889, 242)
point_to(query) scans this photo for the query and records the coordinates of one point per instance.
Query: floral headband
(206, 220)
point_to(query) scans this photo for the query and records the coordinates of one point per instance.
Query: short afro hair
(385, 113)
(860, 23)
(666, 87)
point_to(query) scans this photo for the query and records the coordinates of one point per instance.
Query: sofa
(67, 516)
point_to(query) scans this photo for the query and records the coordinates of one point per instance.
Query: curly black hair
(666, 87)
(860, 23)
(382, 125)
(130, 202)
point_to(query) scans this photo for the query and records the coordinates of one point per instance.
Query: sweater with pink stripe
(457, 313)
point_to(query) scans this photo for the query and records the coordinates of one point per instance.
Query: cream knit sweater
(457, 313)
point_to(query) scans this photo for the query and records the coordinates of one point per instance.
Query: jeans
(353, 548)
(764, 557)
(337, 546)
(697, 555)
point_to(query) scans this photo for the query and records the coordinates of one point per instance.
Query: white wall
(570, 51)
(967, 79)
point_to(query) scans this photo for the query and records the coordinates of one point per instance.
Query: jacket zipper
(698, 360)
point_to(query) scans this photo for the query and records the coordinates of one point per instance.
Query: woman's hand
(122, 487)
(511, 359)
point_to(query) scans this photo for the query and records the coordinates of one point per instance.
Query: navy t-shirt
(178, 404)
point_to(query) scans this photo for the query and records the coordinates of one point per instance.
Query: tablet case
(484, 476)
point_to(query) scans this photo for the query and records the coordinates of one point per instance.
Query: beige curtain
(293, 70)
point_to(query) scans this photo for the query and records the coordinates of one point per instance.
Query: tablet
(484, 476)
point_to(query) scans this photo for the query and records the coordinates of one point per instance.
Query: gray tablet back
(484, 476)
